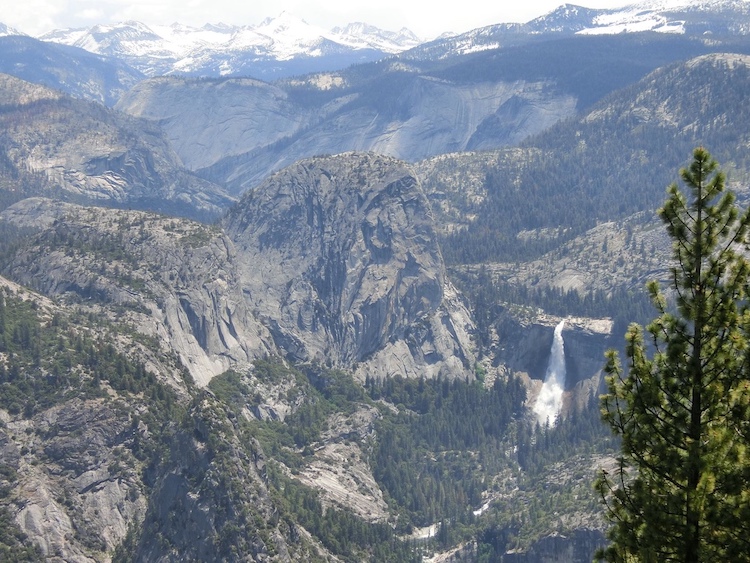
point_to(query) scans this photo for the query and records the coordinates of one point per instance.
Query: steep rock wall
(524, 346)
(236, 132)
(172, 279)
(338, 258)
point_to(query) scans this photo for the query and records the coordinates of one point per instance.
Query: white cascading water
(549, 402)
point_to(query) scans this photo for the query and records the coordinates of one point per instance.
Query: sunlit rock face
(173, 279)
(236, 132)
(338, 257)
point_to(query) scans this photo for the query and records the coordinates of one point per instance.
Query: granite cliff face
(210, 120)
(236, 132)
(170, 279)
(524, 345)
(79, 503)
(128, 457)
(339, 260)
(115, 456)
(521, 344)
(72, 478)
(83, 151)
(332, 260)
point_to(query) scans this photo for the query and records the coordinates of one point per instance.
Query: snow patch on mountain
(647, 16)
(181, 48)
(6, 30)
(663, 16)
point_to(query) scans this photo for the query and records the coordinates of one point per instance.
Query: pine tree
(680, 491)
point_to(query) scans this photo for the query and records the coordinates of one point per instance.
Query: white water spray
(549, 402)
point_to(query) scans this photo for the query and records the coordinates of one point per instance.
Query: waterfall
(549, 402)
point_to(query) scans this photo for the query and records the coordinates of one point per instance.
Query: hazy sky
(426, 18)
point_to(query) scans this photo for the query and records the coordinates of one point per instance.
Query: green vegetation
(230, 389)
(680, 492)
(580, 433)
(13, 544)
(450, 442)
(318, 393)
(433, 454)
(339, 530)
(438, 448)
(490, 297)
(583, 171)
(49, 358)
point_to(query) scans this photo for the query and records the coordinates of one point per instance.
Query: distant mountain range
(75, 71)
(240, 388)
(714, 19)
(285, 45)
(277, 47)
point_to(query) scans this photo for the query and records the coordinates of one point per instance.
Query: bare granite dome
(338, 257)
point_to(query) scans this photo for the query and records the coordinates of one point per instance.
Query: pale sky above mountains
(427, 19)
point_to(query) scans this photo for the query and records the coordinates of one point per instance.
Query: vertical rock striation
(338, 258)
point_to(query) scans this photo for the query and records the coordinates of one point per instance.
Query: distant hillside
(72, 70)
(615, 160)
(83, 151)
(715, 21)
(236, 132)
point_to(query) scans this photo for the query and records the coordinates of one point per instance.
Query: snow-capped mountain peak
(696, 18)
(373, 37)
(227, 49)
(286, 45)
(7, 30)
(665, 16)
(288, 29)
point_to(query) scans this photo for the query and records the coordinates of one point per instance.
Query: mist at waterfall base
(549, 402)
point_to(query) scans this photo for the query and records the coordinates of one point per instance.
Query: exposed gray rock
(340, 467)
(98, 469)
(79, 502)
(524, 343)
(338, 258)
(456, 183)
(626, 253)
(236, 132)
(224, 118)
(439, 346)
(174, 279)
(87, 152)
(209, 498)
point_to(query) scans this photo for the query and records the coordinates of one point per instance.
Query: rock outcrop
(86, 152)
(81, 500)
(522, 346)
(338, 258)
(210, 499)
(105, 454)
(171, 279)
(237, 131)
